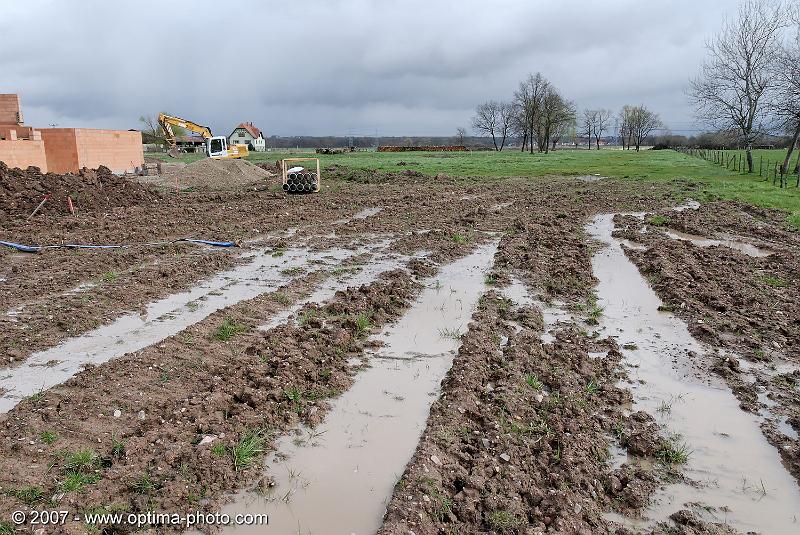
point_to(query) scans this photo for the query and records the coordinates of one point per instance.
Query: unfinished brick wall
(10, 113)
(61, 149)
(23, 153)
(119, 150)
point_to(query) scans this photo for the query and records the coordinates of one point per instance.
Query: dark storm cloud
(339, 67)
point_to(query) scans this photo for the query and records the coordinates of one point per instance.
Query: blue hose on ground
(36, 248)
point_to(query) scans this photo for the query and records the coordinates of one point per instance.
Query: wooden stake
(46, 198)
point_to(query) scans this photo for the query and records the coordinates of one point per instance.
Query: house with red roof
(248, 134)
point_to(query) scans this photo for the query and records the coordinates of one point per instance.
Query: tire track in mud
(265, 271)
(743, 305)
(190, 387)
(337, 477)
(173, 414)
(517, 441)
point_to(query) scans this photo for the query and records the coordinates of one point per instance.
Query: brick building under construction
(64, 150)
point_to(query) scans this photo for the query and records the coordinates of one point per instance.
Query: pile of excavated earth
(211, 174)
(405, 354)
(95, 190)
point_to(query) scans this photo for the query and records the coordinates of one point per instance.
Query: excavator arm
(216, 147)
(168, 121)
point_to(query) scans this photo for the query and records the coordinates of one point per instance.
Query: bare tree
(460, 133)
(625, 126)
(601, 124)
(642, 122)
(786, 104)
(487, 120)
(588, 122)
(506, 122)
(563, 121)
(528, 98)
(735, 78)
(151, 129)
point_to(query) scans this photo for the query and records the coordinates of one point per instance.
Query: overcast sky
(360, 67)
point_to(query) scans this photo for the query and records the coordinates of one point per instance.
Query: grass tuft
(228, 329)
(249, 448)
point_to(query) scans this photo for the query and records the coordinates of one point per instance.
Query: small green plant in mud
(491, 279)
(110, 276)
(80, 469)
(29, 495)
(593, 311)
(36, 397)
(503, 521)
(533, 381)
(191, 306)
(292, 271)
(144, 485)
(228, 329)
(296, 397)
(658, 220)
(592, 387)
(363, 323)
(77, 480)
(7, 528)
(460, 239)
(775, 282)
(441, 505)
(81, 460)
(673, 452)
(449, 332)
(219, 450)
(281, 297)
(117, 447)
(306, 316)
(277, 253)
(48, 437)
(249, 448)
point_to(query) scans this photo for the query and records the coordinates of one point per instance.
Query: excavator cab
(217, 147)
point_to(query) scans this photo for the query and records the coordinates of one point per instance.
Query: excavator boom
(216, 147)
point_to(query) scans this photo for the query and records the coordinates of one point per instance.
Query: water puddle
(363, 214)
(732, 466)
(729, 242)
(265, 272)
(339, 477)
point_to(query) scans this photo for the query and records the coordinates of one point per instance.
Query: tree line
(749, 83)
(539, 116)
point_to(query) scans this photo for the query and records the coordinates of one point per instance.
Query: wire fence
(737, 161)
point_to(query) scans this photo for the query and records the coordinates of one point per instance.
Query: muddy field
(404, 354)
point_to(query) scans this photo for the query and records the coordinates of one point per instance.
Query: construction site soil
(91, 190)
(526, 431)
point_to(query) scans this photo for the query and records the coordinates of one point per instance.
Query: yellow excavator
(216, 146)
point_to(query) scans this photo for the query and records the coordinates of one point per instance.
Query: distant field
(645, 165)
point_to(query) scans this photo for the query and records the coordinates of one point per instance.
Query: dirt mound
(210, 174)
(90, 190)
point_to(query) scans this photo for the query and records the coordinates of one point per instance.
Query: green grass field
(642, 166)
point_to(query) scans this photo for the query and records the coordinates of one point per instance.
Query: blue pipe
(36, 248)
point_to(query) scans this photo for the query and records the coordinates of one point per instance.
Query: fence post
(760, 164)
